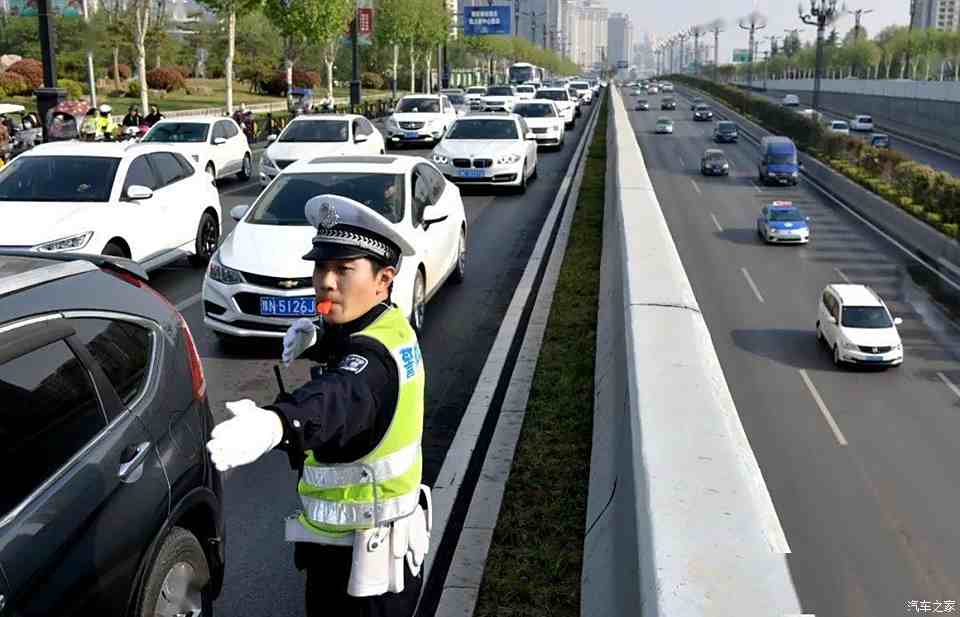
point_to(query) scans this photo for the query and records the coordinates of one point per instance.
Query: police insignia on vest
(353, 363)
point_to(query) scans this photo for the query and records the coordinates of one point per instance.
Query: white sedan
(525, 91)
(258, 284)
(499, 98)
(838, 127)
(493, 149)
(420, 119)
(544, 120)
(217, 145)
(561, 98)
(862, 122)
(146, 202)
(314, 135)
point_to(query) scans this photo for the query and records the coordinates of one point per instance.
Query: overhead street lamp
(752, 22)
(716, 26)
(682, 37)
(822, 14)
(696, 32)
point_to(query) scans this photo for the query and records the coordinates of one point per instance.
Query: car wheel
(460, 269)
(522, 187)
(419, 305)
(211, 171)
(176, 582)
(535, 173)
(246, 168)
(113, 250)
(836, 356)
(207, 240)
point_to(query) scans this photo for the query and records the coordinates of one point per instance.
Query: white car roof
(421, 96)
(384, 164)
(324, 117)
(856, 295)
(490, 116)
(11, 108)
(86, 148)
(195, 119)
(535, 101)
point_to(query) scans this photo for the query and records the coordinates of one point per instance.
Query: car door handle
(131, 470)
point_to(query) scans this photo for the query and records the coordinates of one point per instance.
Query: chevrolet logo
(289, 284)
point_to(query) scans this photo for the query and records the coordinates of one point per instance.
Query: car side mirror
(831, 319)
(433, 214)
(237, 212)
(359, 139)
(897, 321)
(138, 192)
(271, 139)
(219, 141)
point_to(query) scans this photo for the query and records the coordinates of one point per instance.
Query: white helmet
(105, 109)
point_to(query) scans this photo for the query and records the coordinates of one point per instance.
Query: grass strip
(536, 556)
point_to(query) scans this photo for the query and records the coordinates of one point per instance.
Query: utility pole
(752, 22)
(48, 95)
(822, 14)
(697, 32)
(355, 53)
(913, 17)
(857, 16)
(682, 37)
(91, 75)
(717, 28)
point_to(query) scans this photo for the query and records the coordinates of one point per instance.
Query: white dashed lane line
(823, 409)
(753, 285)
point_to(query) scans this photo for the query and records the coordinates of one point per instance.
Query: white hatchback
(216, 145)
(146, 202)
(258, 284)
(857, 326)
(314, 135)
(838, 127)
(544, 120)
(862, 122)
(791, 100)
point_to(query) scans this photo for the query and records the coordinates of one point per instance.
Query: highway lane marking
(716, 222)
(185, 304)
(757, 186)
(694, 182)
(823, 408)
(948, 383)
(841, 275)
(753, 285)
(238, 189)
(682, 164)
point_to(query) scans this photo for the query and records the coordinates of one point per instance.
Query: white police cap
(347, 229)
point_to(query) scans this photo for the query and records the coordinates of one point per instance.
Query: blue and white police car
(782, 222)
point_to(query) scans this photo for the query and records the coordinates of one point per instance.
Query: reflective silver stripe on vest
(323, 512)
(348, 474)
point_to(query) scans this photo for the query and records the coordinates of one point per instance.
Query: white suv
(857, 326)
(862, 122)
(216, 145)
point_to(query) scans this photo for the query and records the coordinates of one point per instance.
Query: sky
(665, 18)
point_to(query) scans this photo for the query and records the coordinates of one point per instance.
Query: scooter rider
(354, 430)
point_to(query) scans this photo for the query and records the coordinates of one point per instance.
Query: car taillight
(193, 356)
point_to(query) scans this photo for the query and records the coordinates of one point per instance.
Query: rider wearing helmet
(105, 124)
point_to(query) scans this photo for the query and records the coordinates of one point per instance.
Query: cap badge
(327, 217)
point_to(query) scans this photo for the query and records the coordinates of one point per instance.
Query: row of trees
(250, 38)
(897, 52)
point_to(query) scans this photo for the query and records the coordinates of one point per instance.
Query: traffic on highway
(840, 349)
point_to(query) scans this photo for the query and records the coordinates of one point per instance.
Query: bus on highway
(526, 73)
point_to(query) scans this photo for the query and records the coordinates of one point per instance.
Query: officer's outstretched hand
(300, 336)
(248, 435)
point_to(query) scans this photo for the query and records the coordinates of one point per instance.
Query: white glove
(248, 435)
(300, 336)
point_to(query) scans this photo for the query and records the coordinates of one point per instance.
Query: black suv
(702, 112)
(726, 131)
(110, 504)
(668, 103)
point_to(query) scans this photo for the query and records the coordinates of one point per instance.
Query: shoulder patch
(353, 363)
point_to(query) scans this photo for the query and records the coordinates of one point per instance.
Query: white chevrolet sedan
(314, 135)
(217, 145)
(420, 119)
(146, 202)
(544, 120)
(258, 284)
(493, 149)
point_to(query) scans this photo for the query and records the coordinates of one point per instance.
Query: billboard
(28, 8)
(740, 56)
(481, 20)
(364, 24)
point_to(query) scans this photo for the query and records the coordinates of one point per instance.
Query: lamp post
(822, 13)
(48, 95)
(696, 32)
(716, 27)
(682, 38)
(752, 22)
(857, 16)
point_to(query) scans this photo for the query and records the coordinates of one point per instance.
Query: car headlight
(70, 243)
(391, 122)
(508, 159)
(726, 165)
(849, 346)
(794, 174)
(771, 174)
(440, 159)
(222, 274)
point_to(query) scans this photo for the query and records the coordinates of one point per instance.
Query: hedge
(15, 84)
(31, 69)
(166, 78)
(74, 88)
(931, 196)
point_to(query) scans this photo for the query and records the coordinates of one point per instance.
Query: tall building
(586, 28)
(619, 40)
(939, 14)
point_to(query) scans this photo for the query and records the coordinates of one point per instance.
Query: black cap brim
(334, 252)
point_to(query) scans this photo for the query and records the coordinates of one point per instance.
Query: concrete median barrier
(679, 519)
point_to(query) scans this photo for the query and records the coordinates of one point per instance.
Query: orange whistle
(324, 307)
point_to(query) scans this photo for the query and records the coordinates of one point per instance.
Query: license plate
(471, 173)
(874, 358)
(411, 135)
(297, 306)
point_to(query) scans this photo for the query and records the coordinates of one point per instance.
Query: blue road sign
(482, 20)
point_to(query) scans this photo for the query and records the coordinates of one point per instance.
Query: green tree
(435, 29)
(394, 18)
(230, 10)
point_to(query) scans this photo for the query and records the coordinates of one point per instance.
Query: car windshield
(714, 157)
(641, 101)
(316, 131)
(785, 216)
(483, 129)
(456, 99)
(865, 317)
(865, 119)
(428, 106)
(477, 90)
(282, 203)
(726, 127)
(664, 121)
(580, 85)
(781, 158)
(535, 110)
(702, 108)
(669, 101)
(881, 140)
(526, 89)
(553, 95)
(840, 125)
(178, 132)
(500, 91)
(58, 178)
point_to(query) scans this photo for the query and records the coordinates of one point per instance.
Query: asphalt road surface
(462, 322)
(861, 465)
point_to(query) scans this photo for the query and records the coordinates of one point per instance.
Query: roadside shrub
(74, 89)
(906, 203)
(277, 85)
(374, 81)
(133, 90)
(31, 69)
(124, 70)
(184, 70)
(951, 229)
(917, 210)
(3, 93)
(15, 84)
(166, 78)
(933, 218)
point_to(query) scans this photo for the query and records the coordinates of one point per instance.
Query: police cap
(347, 229)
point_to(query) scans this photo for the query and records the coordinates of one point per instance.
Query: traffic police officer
(353, 431)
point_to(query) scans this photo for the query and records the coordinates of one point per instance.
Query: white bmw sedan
(146, 202)
(492, 149)
(258, 284)
(314, 135)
